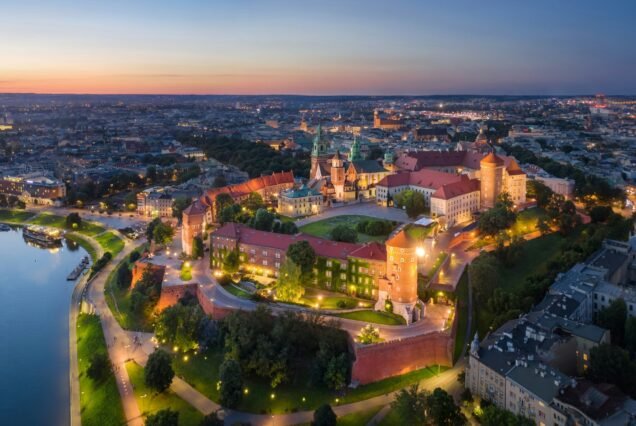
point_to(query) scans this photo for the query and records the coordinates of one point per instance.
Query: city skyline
(327, 48)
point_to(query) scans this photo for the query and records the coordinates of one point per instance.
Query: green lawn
(330, 300)
(15, 216)
(392, 418)
(110, 242)
(202, 372)
(150, 402)
(527, 221)
(462, 317)
(84, 243)
(100, 402)
(361, 418)
(47, 219)
(186, 272)
(237, 291)
(323, 228)
(419, 232)
(376, 317)
(90, 228)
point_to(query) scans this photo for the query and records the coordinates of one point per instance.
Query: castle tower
(389, 161)
(376, 119)
(338, 176)
(318, 150)
(491, 176)
(354, 153)
(400, 285)
(192, 225)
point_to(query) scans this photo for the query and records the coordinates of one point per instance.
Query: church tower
(389, 161)
(354, 153)
(318, 151)
(338, 175)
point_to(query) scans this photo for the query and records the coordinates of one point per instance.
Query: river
(34, 348)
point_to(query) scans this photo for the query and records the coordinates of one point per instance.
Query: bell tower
(318, 151)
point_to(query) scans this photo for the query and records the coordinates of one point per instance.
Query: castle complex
(386, 273)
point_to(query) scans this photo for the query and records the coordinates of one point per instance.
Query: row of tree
(253, 212)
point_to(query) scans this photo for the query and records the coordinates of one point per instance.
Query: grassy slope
(202, 372)
(84, 243)
(100, 402)
(322, 228)
(150, 402)
(118, 301)
(110, 242)
(376, 317)
(15, 216)
(361, 418)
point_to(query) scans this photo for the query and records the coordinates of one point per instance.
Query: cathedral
(343, 178)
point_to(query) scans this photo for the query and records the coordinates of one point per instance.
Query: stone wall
(140, 266)
(384, 360)
(171, 295)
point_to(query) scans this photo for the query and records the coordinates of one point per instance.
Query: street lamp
(419, 251)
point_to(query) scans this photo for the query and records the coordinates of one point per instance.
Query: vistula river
(34, 347)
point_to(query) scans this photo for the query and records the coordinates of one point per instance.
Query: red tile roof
(425, 178)
(253, 185)
(456, 189)
(422, 159)
(401, 239)
(247, 235)
(372, 251)
(492, 159)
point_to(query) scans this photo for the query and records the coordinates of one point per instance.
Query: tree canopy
(303, 255)
(158, 373)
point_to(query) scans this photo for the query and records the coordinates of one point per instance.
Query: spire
(315, 149)
(354, 155)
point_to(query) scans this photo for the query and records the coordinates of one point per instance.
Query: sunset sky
(318, 47)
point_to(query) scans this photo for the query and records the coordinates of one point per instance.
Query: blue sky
(319, 47)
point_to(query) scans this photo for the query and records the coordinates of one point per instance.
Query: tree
(229, 214)
(411, 201)
(630, 336)
(613, 318)
(303, 255)
(221, 202)
(611, 364)
(73, 221)
(410, 405)
(324, 416)
(289, 228)
(484, 273)
(369, 334)
(179, 205)
(231, 391)
(495, 416)
(165, 417)
(289, 284)
(499, 218)
(253, 202)
(197, 247)
(162, 234)
(543, 226)
(124, 276)
(600, 213)
(344, 234)
(231, 262)
(151, 228)
(335, 376)
(180, 325)
(263, 220)
(158, 373)
(539, 191)
(442, 409)
(99, 367)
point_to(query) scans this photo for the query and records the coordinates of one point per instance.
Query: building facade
(300, 202)
(361, 270)
(34, 189)
(154, 203)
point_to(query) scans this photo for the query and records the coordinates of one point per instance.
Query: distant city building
(34, 189)
(380, 122)
(154, 203)
(557, 185)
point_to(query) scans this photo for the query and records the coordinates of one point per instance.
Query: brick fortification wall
(377, 362)
(171, 295)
